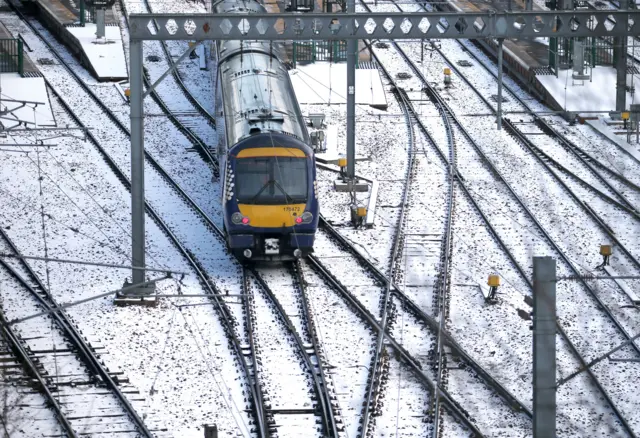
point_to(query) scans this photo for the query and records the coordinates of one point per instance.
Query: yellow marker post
(493, 282)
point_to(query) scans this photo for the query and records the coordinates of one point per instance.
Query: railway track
(212, 233)
(429, 321)
(264, 419)
(432, 322)
(292, 308)
(184, 115)
(546, 161)
(376, 368)
(586, 159)
(563, 256)
(65, 365)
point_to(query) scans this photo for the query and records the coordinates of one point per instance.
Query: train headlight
(306, 217)
(238, 219)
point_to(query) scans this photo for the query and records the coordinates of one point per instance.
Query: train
(267, 165)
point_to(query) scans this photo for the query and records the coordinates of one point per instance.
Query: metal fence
(305, 52)
(11, 56)
(598, 51)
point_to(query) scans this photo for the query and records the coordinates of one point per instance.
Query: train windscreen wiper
(287, 196)
(264, 187)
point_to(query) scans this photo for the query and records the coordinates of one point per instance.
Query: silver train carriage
(267, 165)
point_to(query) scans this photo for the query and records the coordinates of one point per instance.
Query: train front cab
(271, 205)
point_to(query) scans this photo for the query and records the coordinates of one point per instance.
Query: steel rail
(188, 132)
(510, 399)
(539, 154)
(313, 335)
(546, 158)
(490, 165)
(532, 148)
(443, 283)
(328, 420)
(192, 99)
(373, 386)
(261, 415)
(30, 368)
(454, 407)
(542, 123)
(88, 358)
(225, 314)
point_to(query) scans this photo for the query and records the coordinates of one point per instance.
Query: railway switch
(605, 252)
(494, 283)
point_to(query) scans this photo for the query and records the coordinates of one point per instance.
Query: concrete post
(620, 55)
(544, 347)
(137, 161)
(352, 53)
(499, 112)
(100, 32)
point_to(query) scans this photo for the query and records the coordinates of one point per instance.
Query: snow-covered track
(181, 119)
(194, 101)
(443, 283)
(545, 161)
(189, 205)
(438, 99)
(376, 369)
(306, 340)
(430, 321)
(20, 351)
(585, 159)
(452, 405)
(263, 418)
(79, 363)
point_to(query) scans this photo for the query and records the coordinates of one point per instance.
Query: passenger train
(268, 168)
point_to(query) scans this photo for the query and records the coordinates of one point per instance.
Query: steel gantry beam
(414, 25)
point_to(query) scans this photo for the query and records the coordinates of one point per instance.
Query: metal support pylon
(620, 55)
(100, 30)
(137, 181)
(544, 347)
(499, 112)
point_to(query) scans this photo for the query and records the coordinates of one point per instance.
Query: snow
(601, 126)
(106, 55)
(15, 87)
(178, 358)
(312, 84)
(599, 94)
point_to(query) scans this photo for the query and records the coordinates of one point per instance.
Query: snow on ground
(346, 344)
(78, 226)
(313, 85)
(106, 55)
(153, 349)
(25, 409)
(284, 375)
(103, 238)
(405, 406)
(599, 94)
(13, 87)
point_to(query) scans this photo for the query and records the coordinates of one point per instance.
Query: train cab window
(271, 180)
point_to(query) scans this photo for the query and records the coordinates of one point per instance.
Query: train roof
(271, 139)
